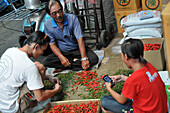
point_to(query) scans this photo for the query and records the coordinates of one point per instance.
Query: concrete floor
(9, 38)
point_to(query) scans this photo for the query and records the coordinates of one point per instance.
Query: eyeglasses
(59, 11)
(43, 40)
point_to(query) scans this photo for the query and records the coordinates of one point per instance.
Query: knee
(40, 66)
(45, 61)
(94, 59)
(41, 69)
(103, 101)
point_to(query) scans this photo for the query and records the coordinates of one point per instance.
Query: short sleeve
(33, 78)
(48, 33)
(129, 90)
(77, 28)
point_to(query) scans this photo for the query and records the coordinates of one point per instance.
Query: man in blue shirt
(67, 44)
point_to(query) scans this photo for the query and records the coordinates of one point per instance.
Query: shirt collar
(54, 24)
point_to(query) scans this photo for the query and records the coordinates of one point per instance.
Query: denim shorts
(110, 104)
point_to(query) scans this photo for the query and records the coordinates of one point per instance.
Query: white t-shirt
(15, 69)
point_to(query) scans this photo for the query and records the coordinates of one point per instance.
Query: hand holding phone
(106, 78)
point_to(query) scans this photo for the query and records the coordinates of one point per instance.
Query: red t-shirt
(147, 90)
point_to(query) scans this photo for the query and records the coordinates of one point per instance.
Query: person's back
(15, 66)
(147, 90)
(17, 70)
(144, 87)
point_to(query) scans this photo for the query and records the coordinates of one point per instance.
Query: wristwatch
(85, 58)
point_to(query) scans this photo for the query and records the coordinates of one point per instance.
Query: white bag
(133, 19)
(156, 32)
(131, 28)
(138, 37)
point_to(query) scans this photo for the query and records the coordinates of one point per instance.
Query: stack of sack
(144, 24)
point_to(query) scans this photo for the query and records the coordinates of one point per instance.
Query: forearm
(56, 50)
(41, 69)
(123, 77)
(82, 47)
(119, 98)
(42, 95)
(47, 94)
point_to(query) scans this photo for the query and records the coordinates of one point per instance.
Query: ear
(36, 46)
(126, 57)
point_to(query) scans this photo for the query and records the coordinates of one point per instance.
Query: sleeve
(47, 32)
(129, 90)
(33, 78)
(77, 28)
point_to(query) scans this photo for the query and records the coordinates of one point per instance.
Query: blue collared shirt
(64, 39)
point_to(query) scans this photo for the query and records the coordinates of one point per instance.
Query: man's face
(56, 13)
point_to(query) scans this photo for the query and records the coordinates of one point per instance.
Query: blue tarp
(5, 3)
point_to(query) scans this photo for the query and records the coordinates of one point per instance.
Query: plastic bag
(131, 28)
(137, 37)
(134, 19)
(156, 32)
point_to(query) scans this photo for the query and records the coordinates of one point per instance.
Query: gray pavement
(9, 38)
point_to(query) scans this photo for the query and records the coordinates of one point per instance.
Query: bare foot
(105, 110)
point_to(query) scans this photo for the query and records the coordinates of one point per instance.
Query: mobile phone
(106, 78)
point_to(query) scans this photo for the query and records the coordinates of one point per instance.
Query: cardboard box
(152, 5)
(156, 57)
(166, 28)
(72, 102)
(120, 15)
(123, 5)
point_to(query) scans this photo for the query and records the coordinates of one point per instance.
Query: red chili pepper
(148, 47)
(76, 87)
(81, 108)
(72, 89)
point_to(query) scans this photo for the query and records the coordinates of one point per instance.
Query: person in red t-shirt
(144, 86)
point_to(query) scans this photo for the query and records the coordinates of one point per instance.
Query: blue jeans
(110, 104)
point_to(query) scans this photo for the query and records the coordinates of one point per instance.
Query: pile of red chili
(149, 47)
(89, 80)
(90, 107)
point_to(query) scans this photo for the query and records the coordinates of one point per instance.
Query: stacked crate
(124, 8)
(152, 5)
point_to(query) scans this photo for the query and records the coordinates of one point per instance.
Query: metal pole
(102, 16)
(96, 26)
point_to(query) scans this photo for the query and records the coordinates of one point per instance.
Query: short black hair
(133, 48)
(47, 8)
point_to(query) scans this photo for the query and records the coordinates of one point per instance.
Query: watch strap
(85, 58)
